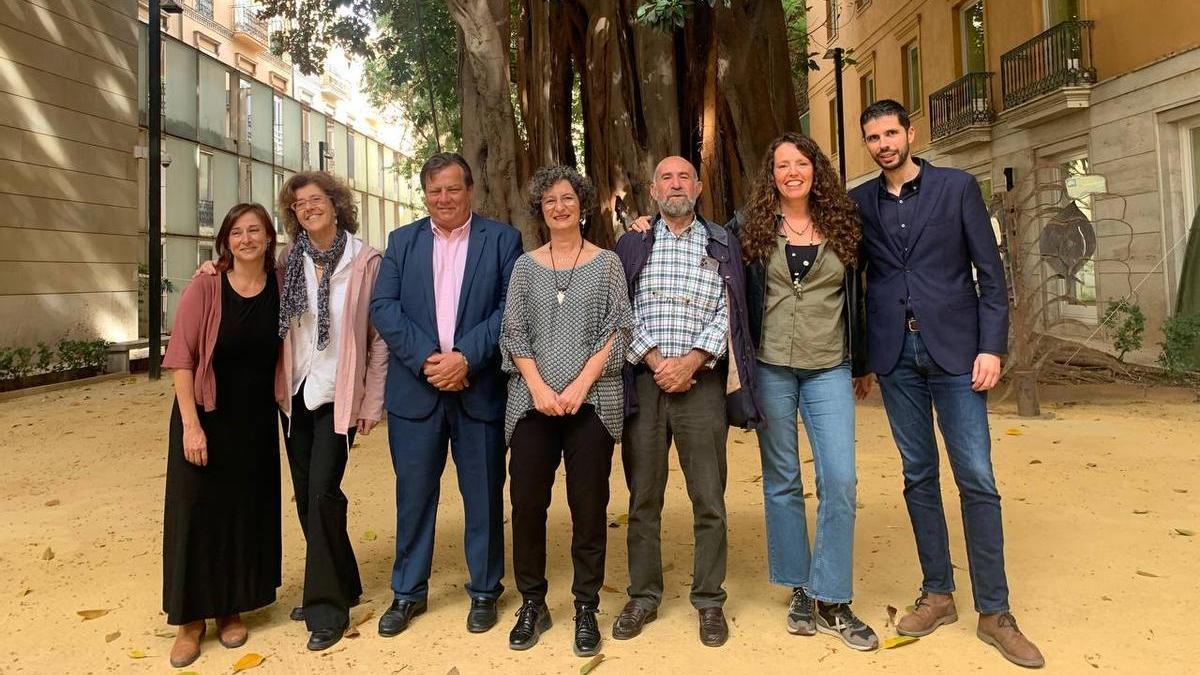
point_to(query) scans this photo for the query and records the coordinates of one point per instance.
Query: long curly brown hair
(834, 214)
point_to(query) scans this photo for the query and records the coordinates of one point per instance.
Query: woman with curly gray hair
(563, 340)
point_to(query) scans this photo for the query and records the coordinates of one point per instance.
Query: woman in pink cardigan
(335, 365)
(221, 539)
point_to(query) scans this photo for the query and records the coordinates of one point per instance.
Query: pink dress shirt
(449, 263)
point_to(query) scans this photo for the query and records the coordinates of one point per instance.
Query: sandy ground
(1093, 493)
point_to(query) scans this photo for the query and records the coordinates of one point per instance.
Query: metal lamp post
(838, 55)
(154, 173)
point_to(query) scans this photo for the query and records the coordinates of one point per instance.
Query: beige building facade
(1040, 93)
(69, 235)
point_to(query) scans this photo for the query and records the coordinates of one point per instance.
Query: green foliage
(1130, 323)
(312, 27)
(1180, 337)
(414, 67)
(16, 362)
(667, 15)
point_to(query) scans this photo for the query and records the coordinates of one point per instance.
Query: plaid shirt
(679, 304)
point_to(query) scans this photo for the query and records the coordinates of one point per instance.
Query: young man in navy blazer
(438, 302)
(937, 325)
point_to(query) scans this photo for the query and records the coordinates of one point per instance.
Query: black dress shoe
(587, 631)
(482, 616)
(397, 617)
(324, 638)
(533, 619)
(713, 629)
(631, 619)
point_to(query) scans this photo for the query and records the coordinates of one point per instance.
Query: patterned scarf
(293, 301)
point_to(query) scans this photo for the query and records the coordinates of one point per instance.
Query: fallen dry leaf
(623, 519)
(668, 567)
(53, 502)
(164, 633)
(89, 614)
(1181, 491)
(251, 660)
(48, 554)
(351, 633)
(112, 636)
(1035, 461)
(1011, 432)
(1184, 532)
(609, 589)
(370, 535)
(138, 654)
(756, 479)
(591, 665)
(1144, 573)
(1092, 660)
(1140, 512)
(898, 641)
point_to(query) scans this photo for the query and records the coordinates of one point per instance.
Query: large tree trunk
(630, 108)
(716, 91)
(489, 129)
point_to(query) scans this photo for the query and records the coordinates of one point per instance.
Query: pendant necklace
(562, 290)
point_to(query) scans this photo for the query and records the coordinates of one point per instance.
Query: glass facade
(234, 139)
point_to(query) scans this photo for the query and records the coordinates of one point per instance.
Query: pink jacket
(194, 335)
(362, 357)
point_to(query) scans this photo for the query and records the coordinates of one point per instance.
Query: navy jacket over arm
(404, 313)
(950, 234)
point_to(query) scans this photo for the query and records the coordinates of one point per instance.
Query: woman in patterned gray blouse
(563, 339)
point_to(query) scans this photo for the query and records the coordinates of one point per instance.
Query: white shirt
(316, 369)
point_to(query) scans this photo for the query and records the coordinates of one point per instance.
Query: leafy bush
(1131, 328)
(1180, 335)
(16, 362)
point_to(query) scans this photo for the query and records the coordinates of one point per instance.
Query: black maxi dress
(221, 531)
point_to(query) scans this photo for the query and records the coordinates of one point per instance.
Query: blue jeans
(911, 392)
(825, 399)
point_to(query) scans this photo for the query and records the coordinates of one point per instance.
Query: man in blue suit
(438, 303)
(937, 325)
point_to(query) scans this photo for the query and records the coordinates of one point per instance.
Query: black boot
(587, 631)
(533, 619)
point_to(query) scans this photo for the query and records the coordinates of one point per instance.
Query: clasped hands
(446, 371)
(675, 375)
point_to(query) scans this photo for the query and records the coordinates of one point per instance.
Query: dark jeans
(317, 457)
(695, 420)
(538, 441)
(911, 393)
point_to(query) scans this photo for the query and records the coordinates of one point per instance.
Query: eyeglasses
(305, 204)
(566, 200)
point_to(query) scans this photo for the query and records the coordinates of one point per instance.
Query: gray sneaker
(837, 619)
(800, 614)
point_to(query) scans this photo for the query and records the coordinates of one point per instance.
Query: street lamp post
(838, 55)
(154, 174)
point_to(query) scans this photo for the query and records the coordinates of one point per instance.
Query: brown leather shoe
(929, 611)
(187, 644)
(713, 629)
(631, 619)
(1001, 632)
(231, 631)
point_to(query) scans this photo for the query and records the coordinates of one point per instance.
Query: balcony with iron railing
(248, 24)
(205, 8)
(335, 85)
(1050, 74)
(961, 113)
